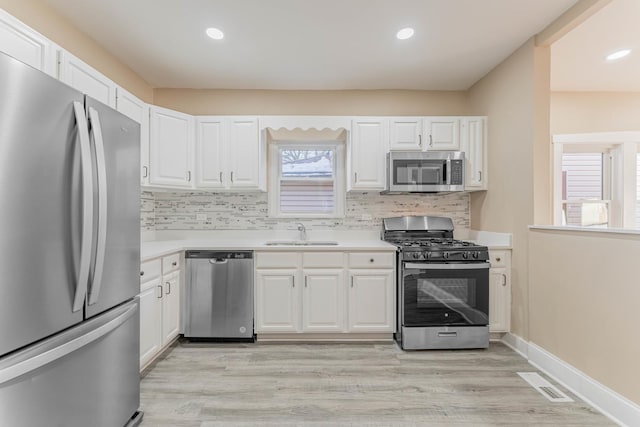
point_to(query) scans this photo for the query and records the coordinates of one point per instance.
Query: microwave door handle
(448, 171)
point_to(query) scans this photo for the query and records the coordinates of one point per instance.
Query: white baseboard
(613, 405)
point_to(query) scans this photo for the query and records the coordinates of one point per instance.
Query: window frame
(275, 177)
(619, 173)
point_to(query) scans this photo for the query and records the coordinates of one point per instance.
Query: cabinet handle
(356, 176)
(504, 282)
(352, 281)
(479, 175)
(160, 296)
(419, 140)
(220, 177)
(145, 171)
(188, 176)
(305, 281)
(168, 287)
(430, 140)
(141, 273)
(232, 176)
(293, 278)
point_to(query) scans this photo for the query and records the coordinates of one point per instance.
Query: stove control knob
(415, 255)
(465, 255)
(446, 255)
(475, 254)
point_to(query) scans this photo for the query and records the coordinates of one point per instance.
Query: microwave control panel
(456, 172)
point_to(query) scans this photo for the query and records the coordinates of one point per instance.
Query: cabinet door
(371, 301)
(442, 133)
(210, 153)
(170, 146)
(137, 110)
(151, 294)
(86, 79)
(405, 133)
(369, 146)
(26, 45)
(323, 298)
(170, 307)
(473, 131)
(243, 152)
(499, 300)
(277, 301)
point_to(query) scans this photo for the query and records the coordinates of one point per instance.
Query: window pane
(638, 190)
(307, 163)
(582, 176)
(586, 214)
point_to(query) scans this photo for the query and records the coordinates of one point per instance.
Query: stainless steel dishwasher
(219, 295)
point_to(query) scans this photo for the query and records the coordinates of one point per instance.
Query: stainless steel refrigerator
(69, 256)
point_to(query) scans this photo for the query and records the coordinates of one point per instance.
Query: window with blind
(306, 180)
(583, 193)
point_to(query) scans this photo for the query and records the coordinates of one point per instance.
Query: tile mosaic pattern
(147, 211)
(248, 211)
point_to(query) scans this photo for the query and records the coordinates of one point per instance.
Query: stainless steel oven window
(450, 292)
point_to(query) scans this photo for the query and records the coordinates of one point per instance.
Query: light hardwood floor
(207, 385)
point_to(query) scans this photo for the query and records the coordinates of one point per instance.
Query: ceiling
(311, 44)
(578, 59)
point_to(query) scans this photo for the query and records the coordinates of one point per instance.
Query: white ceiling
(312, 44)
(578, 59)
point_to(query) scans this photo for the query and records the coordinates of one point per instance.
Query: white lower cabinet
(316, 292)
(160, 305)
(500, 291)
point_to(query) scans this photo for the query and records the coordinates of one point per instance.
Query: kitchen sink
(301, 243)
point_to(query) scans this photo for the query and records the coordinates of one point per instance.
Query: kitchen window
(597, 180)
(306, 180)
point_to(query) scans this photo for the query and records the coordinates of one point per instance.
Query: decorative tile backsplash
(248, 211)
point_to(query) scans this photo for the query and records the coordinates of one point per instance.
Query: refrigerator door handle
(15, 370)
(101, 247)
(87, 207)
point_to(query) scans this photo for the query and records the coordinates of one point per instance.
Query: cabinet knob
(174, 263)
(498, 259)
(371, 260)
(142, 273)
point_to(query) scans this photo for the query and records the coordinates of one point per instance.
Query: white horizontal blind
(582, 189)
(306, 196)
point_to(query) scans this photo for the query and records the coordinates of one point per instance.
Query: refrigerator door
(42, 208)
(85, 376)
(116, 270)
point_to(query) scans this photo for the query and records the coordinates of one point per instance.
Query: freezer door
(115, 273)
(41, 211)
(85, 376)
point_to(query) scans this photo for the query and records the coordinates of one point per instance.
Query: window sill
(624, 231)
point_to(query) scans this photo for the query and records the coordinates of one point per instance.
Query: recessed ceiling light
(215, 33)
(618, 54)
(405, 33)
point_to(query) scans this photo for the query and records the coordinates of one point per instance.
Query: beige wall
(581, 112)
(42, 18)
(309, 102)
(508, 96)
(584, 297)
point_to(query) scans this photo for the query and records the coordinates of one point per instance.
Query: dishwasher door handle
(218, 261)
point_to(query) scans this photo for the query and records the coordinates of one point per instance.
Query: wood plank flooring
(210, 385)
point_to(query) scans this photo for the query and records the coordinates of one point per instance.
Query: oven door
(455, 294)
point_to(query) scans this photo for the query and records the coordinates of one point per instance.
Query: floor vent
(544, 387)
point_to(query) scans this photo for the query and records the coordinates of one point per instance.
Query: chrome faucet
(302, 230)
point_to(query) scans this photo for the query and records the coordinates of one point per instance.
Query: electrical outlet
(201, 217)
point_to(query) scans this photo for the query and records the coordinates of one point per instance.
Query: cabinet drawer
(276, 260)
(323, 259)
(499, 258)
(170, 263)
(150, 270)
(372, 259)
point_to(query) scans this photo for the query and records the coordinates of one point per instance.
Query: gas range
(425, 238)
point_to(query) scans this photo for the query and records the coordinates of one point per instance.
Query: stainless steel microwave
(425, 172)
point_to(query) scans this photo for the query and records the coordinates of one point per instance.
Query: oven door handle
(425, 266)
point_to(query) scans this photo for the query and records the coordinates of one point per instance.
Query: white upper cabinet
(441, 133)
(84, 78)
(243, 153)
(473, 143)
(137, 110)
(405, 133)
(171, 139)
(369, 146)
(227, 153)
(24, 44)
